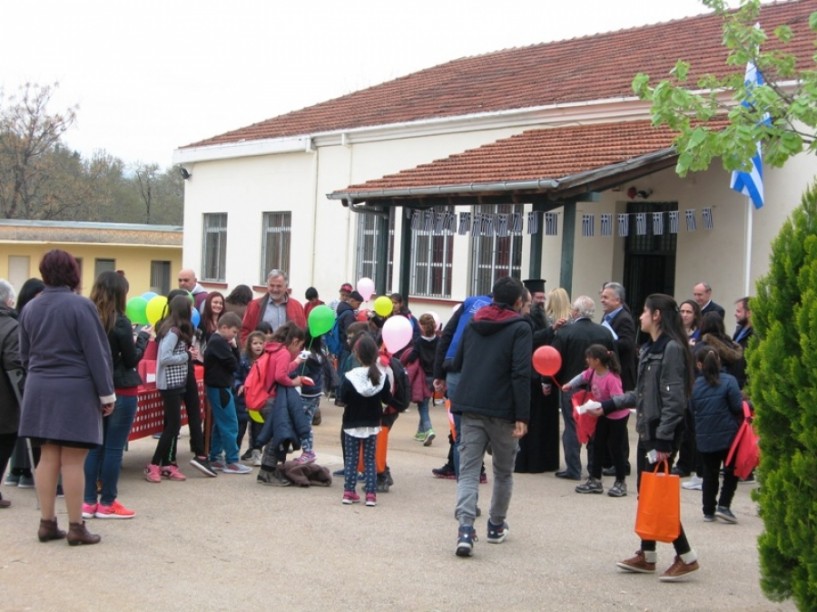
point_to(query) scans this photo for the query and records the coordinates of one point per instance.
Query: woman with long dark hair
(69, 388)
(661, 398)
(104, 463)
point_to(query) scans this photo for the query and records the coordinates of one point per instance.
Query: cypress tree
(782, 360)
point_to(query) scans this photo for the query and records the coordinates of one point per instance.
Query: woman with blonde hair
(558, 308)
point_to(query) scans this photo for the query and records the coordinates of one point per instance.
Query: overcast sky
(153, 75)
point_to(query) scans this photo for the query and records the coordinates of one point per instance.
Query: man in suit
(572, 341)
(620, 320)
(702, 293)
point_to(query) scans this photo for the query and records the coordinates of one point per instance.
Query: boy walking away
(493, 399)
(221, 358)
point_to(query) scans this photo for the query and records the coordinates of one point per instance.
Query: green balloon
(321, 320)
(136, 310)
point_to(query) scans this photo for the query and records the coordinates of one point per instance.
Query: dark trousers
(165, 453)
(681, 544)
(689, 460)
(192, 406)
(607, 441)
(6, 449)
(712, 463)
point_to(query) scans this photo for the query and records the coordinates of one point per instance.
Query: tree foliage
(788, 98)
(782, 367)
(40, 178)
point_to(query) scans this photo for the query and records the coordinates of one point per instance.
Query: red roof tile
(589, 68)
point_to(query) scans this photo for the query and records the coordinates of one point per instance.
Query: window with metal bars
(368, 246)
(214, 247)
(494, 256)
(432, 256)
(276, 243)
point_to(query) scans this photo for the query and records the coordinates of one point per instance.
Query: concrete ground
(230, 543)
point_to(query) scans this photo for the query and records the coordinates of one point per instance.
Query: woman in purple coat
(69, 388)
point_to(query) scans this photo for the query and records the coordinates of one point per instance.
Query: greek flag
(533, 223)
(607, 224)
(502, 230)
(416, 223)
(517, 223)
(476, 228)
(690, 217)
(750, 183)
(550, 224)
(623, 225)
(706, 215)
(428, 221)
(465, 223)
(673, 222)
(439, 222)
(658, 224)
(641, 224)
(450, 222)
(588, 225)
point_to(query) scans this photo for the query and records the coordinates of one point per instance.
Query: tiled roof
(92, 233)
(557, 157)
(594, 67)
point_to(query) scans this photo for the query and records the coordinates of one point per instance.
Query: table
(150, 411)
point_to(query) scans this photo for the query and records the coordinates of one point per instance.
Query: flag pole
(747, 267)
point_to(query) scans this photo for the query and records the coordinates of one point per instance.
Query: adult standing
(572, 341)
(617, 316)
(276, 307)
(238, 299)
(66, 355)
(691, 318)
(12, 374)
(743, 317)
(103, 463)
(189, 282)
(702, 293)
(493, 400)
(661, 397)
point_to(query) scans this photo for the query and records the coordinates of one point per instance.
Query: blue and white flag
(502, 230)
(450, 222)
(706, 216)
(750, 183)
(641, 224)
(606, 224)
(439, 222)
(416, 222)
(428, 221)
(588, 225)
(533, 222)
(690, 217)
(465, 223)
(550, 224)
(516, 223)
(658, 224)
(623, 225)
(673, 222)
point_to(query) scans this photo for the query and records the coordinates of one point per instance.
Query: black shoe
(446, 471)
(202, 465)
(247, 456)
(676, 471)
(566, 476)
(273, 478)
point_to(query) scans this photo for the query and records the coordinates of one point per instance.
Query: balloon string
(553, 378)
(309, 348)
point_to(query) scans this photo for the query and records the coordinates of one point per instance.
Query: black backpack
(401, 398)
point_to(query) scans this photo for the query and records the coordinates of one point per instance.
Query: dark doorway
(649, 259)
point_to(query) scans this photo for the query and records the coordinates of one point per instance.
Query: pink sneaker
(114, 511)
(350, 497)
(371, 499)
(153, 473)
(306, 457)
(88, 510)
(172, 472)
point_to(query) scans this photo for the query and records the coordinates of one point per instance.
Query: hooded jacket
(494, 358)
(717, 410)
(364, 400)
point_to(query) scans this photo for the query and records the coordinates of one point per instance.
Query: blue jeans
(310, 406)
(225, 424)
(452, 379)
(570, 440)
(425, 419)
(105, 462)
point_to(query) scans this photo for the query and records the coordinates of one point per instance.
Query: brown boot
(49, 530)
(78, 534)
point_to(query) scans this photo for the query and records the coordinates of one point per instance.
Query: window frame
(214, 269)
(276, 233)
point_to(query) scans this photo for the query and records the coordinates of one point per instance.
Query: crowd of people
(677, 370)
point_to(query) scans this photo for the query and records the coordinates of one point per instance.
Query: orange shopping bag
(659, 505)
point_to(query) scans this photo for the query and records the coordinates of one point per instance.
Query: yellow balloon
(155, 308)
(383, 306)
(256, 416)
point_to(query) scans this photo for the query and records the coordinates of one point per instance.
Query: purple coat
(69, 368)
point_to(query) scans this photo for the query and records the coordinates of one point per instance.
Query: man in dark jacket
(572, 341)
(493, 399)
(12, 373)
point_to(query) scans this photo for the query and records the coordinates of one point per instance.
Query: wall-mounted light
(185, 173)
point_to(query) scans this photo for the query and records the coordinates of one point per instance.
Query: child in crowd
(717, 405)
(363, 391)
(422, 353)
(266, 329)
(313, 369)
(252, 351)
(604, 381)
(221, 359)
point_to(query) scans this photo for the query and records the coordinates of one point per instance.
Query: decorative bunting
(658, 224)
(588, 225)
(606, 224)
(533, 223)
(450, 222)
(488, 224)
(502, 230)
(706, 217)
(439, 222)
(673, 222)
(623, 225)
(690, 217)
(415, 220)
(428, 221)
(550, 224)
(516, 223)
(641, 224)
(465, 223)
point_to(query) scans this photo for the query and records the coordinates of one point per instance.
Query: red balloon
(362, 315)
(547, 360)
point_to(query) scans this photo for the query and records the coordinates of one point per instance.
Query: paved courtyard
(228, 543)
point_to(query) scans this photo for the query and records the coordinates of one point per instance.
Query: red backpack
(257, 390)
(745, 452)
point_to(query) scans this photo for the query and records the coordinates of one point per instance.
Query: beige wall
(134, 260)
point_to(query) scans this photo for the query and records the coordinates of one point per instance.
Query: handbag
(176, 373)
(744, 454)
(658, 517)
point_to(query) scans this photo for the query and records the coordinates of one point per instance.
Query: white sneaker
(695, 483)
(237, 468)
(256, 458)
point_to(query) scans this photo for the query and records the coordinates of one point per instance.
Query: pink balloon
(365, 287)
(396, 333)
